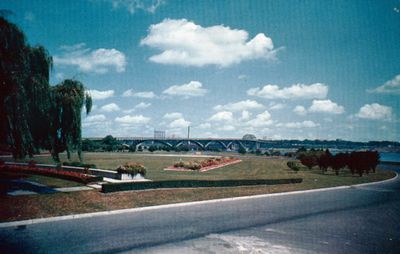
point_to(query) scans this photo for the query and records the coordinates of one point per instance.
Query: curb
(213, 201)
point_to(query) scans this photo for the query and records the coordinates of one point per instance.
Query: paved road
(353, 220)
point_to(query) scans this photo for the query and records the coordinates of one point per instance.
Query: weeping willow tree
(34, 115)
(68, 99)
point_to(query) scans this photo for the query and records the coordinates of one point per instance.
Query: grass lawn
(24, 207)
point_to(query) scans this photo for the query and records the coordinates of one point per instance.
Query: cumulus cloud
(297, 91)
(132, 119)
(375, 111)
(298, 125)
(276, 106)
(94, 120)
(141, 105)
(389, 87)
(173, 115)
(134, 5)
(186, 43)
(300, 110)
(144, 95)
(179, 123)
(87, 60)
(326, 106)
(261, 120)
(191, 89)
(101, 95)
(204, 126)
(221, 116)
(239, 106)
(111, 107)
(245, 115)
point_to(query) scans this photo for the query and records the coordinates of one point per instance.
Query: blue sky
(277, 69)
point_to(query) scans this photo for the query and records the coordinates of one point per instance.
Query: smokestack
(188, 132)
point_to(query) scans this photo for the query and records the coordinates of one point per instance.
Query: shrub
(242, 150)
(132, 168)
(308, 160)
(293, 166)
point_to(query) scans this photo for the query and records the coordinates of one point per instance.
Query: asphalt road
(362, 219)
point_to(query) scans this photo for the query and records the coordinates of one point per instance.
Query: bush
(132, 168)
(242, 150)
(293, 166)
(308, 160)
(112, 187)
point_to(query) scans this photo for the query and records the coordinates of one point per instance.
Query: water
(395, 157)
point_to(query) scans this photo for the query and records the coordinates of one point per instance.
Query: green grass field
(252, 167)
(36, 206)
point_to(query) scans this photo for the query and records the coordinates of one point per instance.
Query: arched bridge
(201, 143)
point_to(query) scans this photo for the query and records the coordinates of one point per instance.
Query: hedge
(113, 187)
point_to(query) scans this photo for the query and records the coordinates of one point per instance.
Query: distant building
(249, 137)
(159, 134)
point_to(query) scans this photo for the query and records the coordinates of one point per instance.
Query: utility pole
(188, 132)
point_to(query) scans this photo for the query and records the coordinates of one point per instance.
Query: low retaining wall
(113, 187)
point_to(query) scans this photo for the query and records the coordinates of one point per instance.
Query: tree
(308, 160)
(109, 143)
(324, 160)
(34, 115)
(68, 99)
(249, 137)
(242, 150)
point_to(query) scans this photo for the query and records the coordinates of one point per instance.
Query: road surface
(363, 219)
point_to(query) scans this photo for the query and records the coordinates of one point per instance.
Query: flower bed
(204, 165)
(59, 173)
(131, 170)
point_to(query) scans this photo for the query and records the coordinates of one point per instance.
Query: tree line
(33, 114)
(359, 162)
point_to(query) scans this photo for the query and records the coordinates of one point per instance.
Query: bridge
(200, 143)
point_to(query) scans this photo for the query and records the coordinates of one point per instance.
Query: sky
(276, 69)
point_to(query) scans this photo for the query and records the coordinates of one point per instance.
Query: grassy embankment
(34, 206)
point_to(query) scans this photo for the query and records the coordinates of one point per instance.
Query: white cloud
(300, 110)
(191, 89)
(204, 126)
(226, 128)
(390, 87)
(101, 95)
(261, 120)
(132, 120)
(239, 106)
(185, 43)
(173, 115)
(242, 76)
(375, 111)
(297, 91)
(221, 116)
(133, 5)
(112, 107)
(87, 60)
(326, 106)
(145, 95)
(95, 118)
(143, 105)
(179, 123)
(245, 115)
(276, 106)
(298, 125)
